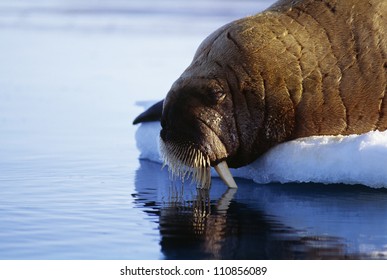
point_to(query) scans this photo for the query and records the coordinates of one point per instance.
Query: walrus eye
(217, 95)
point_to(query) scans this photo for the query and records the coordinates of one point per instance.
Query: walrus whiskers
(185, 161)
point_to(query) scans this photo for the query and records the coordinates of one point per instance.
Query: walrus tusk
(224, 173)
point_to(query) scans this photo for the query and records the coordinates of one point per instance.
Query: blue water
(71, 183)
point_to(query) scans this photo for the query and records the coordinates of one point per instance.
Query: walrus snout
(195, 133)
(194, 114)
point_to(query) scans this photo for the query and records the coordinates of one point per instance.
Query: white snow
(354, 159)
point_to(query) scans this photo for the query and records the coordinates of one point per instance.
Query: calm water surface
(71, 183)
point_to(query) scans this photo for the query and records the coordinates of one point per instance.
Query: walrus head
(197, 132)
(206, 119)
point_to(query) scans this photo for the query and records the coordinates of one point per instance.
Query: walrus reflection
(237, 232)
(206, 224)
(234, 231)
(298, 69)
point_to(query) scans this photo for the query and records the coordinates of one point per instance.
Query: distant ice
(354, 159)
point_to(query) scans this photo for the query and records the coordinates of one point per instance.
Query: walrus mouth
(187, 161)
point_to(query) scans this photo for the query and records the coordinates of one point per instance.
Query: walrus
(300, 68)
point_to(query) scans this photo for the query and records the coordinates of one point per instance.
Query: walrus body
(301, 68)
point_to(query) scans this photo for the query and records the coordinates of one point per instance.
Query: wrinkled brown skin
(300, 68)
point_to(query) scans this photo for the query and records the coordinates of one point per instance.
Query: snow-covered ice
(353, 159)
